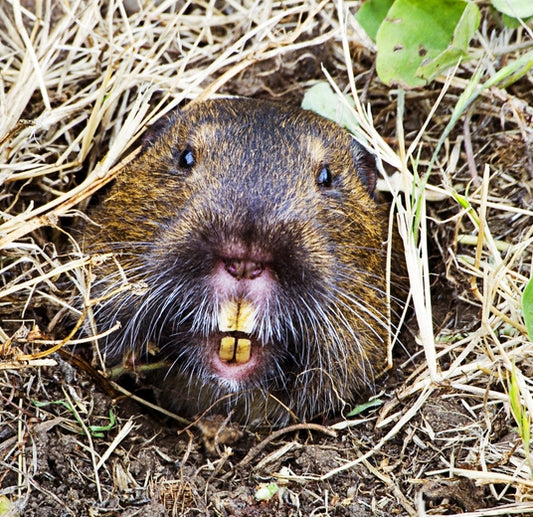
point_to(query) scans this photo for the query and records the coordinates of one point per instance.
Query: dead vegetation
(80, 81)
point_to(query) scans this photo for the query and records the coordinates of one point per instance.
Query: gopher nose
(243, 268)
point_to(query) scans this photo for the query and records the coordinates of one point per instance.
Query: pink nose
(243, 268)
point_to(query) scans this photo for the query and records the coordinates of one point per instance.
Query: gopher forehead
(210, 132)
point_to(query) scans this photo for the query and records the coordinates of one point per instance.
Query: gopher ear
(365, 164)
(157, 129)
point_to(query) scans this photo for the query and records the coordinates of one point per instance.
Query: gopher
(251, 260)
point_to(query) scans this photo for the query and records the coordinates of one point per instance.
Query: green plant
(419, 39)
(95, 430)
(527, 307)
(521, 416)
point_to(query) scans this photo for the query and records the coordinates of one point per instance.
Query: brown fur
(254, 189)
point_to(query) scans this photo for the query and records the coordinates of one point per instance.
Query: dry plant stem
(62, 204)
(277, 455)
(155, 407)
(363, 117)
(21, 457)
(493, 478)
(392, 485)
(422, 383)
(481, 230)
(485, 238)
(244, 63)
(219, 464)
(82, 365)
(416, 256)
(410, 413)
(55, 348)
(416, 253)
(126, 429)
(276, 434)
(505, 510)
(81, 341)
(188, 450)
(45, 276)
(17, 365)
(391, 340)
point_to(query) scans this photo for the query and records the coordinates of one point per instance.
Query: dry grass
(80, 82)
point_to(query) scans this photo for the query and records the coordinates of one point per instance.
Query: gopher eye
(324, 177)
(186, 159)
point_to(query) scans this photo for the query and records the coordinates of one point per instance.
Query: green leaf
(527, 307)
(512, 72)
(6, 507)
(98, 430)
(457, 49)
(526, 428)
(417, 31)
(514, 23)
(514, 8)
(371, 14)
(323, 100)
(361, 407)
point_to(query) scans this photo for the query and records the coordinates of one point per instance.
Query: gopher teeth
(244, 350)
(236, 316)
(235, 349)
(226, 352)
